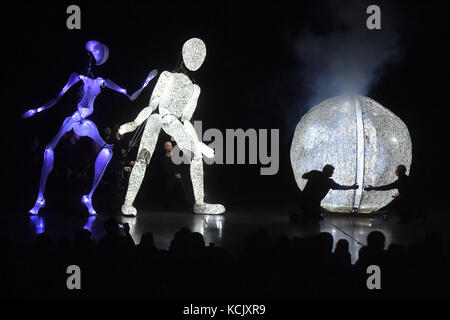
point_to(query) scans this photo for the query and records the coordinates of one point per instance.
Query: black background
(246, 79)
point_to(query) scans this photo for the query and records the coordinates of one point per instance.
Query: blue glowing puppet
(79, 124)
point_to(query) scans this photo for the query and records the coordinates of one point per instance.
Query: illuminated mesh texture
(194, 53)
(328, 134)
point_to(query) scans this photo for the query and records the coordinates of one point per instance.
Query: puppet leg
(145, 152)
(188, 142)
(88, 128)
(47, 166)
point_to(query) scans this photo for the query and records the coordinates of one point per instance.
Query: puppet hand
(29, 113)
(128, 127)
(150, 76)
(207, 151)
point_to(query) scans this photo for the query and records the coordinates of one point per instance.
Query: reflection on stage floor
(227, 230)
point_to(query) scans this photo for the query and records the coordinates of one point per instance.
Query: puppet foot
(87, 201)
(38, 205)
(208, 208)
(128, 210)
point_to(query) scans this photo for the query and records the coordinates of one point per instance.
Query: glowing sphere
(364, 141)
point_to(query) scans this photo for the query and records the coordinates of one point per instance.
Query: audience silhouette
(285, 268)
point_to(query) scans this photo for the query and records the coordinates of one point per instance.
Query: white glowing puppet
(79, 124)
(176, 96)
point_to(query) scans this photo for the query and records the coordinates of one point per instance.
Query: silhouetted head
(180, 241)
(194, 53)
(325, 241)
(376, 240)
(363, 253)
(341, 246)
(400, 171)
(111, 225)
(197, 240)
(328, 170)
(168, 147)
(147, 240)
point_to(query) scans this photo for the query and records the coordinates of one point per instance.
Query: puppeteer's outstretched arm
(393, 185)
(74, 78)
(114, 86)
(152, 105)
(336, 186)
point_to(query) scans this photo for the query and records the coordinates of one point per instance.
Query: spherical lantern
(364, 141)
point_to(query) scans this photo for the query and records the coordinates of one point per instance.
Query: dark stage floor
(230, 229)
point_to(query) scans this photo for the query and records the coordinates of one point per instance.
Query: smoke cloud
(349, 58)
